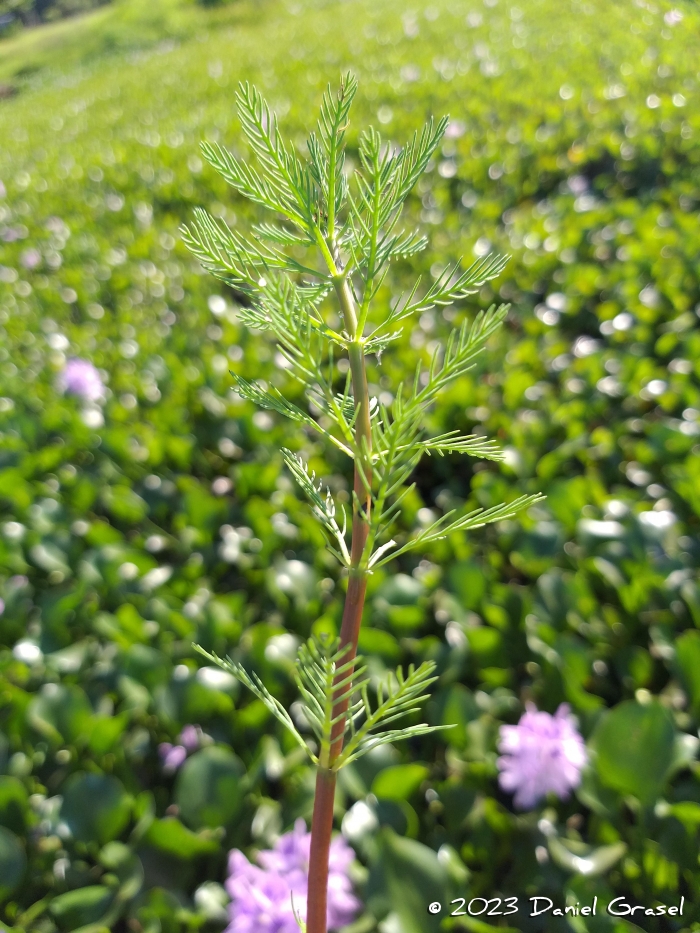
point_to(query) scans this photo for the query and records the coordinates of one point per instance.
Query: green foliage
(634, 749)
(407, 876)
(210, 788)
(13, 863)
(354, 229)
(79, 908)
(591, 598)
(95, 807)
(31, 12)
(323, 675)
(399, 782)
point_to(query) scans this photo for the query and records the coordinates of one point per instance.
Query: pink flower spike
(191, 737)
(543, 754)
(265, 897)
(172, 756)
(81, 378)
(30, 258)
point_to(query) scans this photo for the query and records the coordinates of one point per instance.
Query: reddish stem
(322, 821)
(321, 829)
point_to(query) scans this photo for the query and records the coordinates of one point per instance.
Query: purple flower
(455, 129)
(191, 737)
(265, 897)
(172, 756)
(542, 753)
(81, 378)
(30, 258)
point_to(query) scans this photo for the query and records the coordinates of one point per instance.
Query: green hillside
(573, 146)
(121, 26)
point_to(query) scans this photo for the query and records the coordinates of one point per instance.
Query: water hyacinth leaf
(399, 600)
(467, 581)
(121, 861)
(399, 782)
(378, 642)
(106, 732)
(124, 504)
(95, 807)
(4, 751)
(51, 558)
(400, 590)
(456, 870)
(83, 906)
(398, 815)
(156, 910)
(688, 660)
(13, 804)
(594, 794)
(146, 665)
(686, 812)
(582, 859)
(172, 838)
(15, 489)
(454, 706)
(212, 900)
(60, 712)
(93, 928)
(405, 876)
(633, 746)
(685, 751)
(13, 863)
(210, 788)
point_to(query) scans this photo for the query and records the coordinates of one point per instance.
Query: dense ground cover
(165, 515)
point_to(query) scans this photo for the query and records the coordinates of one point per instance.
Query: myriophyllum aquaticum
(315, 278)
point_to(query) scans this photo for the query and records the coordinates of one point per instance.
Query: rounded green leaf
(467, 581)
(400, 590)
(84, 905)
(13, 804)
(688, 660)
(582, 859)
(60, 712)
(95, 807)
(406, 877)
(634, 749)
(171, 837)
(377, 641)
(399, 782)
(124, 504)
(121, 861)
(209, 789)
(13, 863)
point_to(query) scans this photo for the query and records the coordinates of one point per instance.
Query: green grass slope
(120, 26)
(574, 146)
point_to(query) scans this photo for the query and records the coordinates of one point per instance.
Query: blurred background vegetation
(574, 145)
(15, 14)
